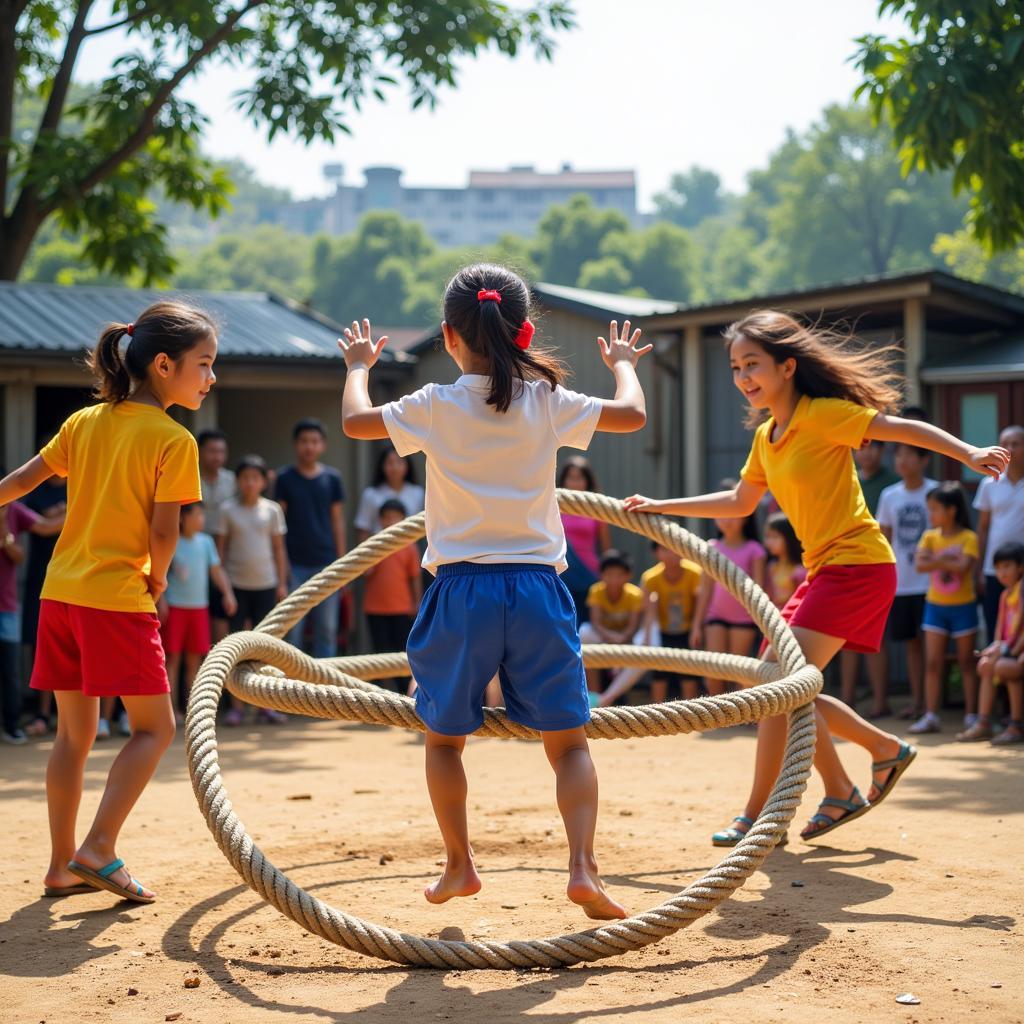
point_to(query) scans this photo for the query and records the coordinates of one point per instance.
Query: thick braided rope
(331, 688)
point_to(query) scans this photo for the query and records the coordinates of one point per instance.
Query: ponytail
(113, 381)
(169, 327)
(490, 326)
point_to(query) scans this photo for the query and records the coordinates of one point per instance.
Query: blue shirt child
(188, 581)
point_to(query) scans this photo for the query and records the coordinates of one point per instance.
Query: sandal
(1013, 733)
(853, 808)
(732, 835)
(39, 726)
(100, 879)
(899, 764)
(77, 889)
(978, 731)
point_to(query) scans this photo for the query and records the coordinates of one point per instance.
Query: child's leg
(878, 676)
(446, 783)
(173, 677)
(716, 639)
(589, 635)
(968, 670)
(1014, 732)
(740, 642)
(576, 792)
(659, 690)
(152, 722)
(192, 663)
(493, 697)
(986, 688)
(934, 663)
(76, 730)
(849, 676)
(915, 670)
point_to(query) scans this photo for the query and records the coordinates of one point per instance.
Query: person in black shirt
(312, 496)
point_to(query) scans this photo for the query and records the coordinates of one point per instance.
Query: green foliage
(965, 256)
(92, 164)
(569, 235)
(953, 92)
(691, 197)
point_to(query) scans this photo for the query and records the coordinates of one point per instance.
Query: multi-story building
(494, 203)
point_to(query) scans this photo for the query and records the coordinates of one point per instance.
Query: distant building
(493, 204)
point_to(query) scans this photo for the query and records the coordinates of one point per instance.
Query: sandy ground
(922, 895)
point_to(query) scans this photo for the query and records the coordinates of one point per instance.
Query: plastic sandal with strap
(853, 808)
(101, 879)
(897, 766)
(731, 836)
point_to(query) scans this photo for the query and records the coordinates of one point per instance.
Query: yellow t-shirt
(119, 460)
(615, 616)
(675, 600)
(811, 473)
(950, 587)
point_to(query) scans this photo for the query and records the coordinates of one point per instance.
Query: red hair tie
(525, 336)
(486, 294)
(130, 330)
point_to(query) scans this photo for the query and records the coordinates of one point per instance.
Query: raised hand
(621, 350)
(359, 347)
(991, 461)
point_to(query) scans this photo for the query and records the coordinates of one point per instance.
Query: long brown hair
(169, 327)
(829, 362)
(489, 328)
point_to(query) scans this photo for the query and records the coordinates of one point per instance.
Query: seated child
(672, 584)
(1003, 660)
(616, 607)
(393, 592)
(785, 565)
(186, 605)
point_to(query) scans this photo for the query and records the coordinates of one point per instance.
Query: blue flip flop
(732, 835)
(101, 880)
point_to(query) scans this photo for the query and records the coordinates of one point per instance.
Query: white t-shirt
(249, 548)
(367, 518)
(214, 495)
(905, 512)
(1005, 501)
(491, 476)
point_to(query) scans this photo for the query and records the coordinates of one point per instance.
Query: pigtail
(113, 382)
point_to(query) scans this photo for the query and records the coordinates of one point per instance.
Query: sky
(649, 85)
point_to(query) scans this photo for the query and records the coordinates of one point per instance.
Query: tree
(92, 165)
(953, 93)
(569, 235)
(660, 260)
(691, 197)
(967, 257)
(845, 210)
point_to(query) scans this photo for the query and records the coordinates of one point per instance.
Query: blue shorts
(518, 620)
(952, 619)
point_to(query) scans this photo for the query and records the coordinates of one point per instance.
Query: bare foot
(462, 881)
(586, 890)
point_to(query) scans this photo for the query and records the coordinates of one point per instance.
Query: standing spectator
(949, 552)
(186, 629)
(218, 484)
(586, 539)
(311, 496)
(250, 542)
(903, 516)
(15, 519)
(393, 592)
(874, 477)
(1000, 505)
(394, 480)
(49, 500)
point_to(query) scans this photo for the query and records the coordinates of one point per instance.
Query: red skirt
(851, 602)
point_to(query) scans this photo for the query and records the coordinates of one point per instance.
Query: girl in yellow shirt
(814, 397)
(130, 468)
(949, 551)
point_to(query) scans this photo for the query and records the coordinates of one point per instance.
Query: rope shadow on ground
(416, 986)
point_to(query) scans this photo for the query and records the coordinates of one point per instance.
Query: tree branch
(62, 80)
(145, 128)
(7, 79)
(137, 16)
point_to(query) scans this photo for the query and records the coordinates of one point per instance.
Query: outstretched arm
(360, 418)
(738, 503)
(990, 461)
(627, 411)
(24, 479)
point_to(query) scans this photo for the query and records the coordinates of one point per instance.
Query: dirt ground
(922, 895)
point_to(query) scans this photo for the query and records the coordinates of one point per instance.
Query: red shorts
(187, 630)
(847, 601)
(101, 653)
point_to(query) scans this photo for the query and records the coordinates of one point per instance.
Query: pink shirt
(723, 606)
(19, 519)
(583, 533)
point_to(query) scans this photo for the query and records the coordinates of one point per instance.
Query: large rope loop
(259, 667)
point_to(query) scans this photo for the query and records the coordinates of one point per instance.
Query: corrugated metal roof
(253, 325)
(604, 302)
